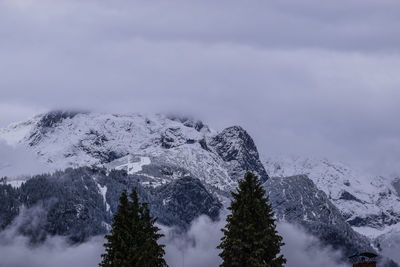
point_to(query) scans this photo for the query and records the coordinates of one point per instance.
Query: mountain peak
(234, 144)
(64, 139)
(54, 117)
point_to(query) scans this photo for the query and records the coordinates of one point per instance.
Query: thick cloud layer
(17, 251)
(16, 161)
(310, 77)
(197, 247)
(302, 249)
(54, 252)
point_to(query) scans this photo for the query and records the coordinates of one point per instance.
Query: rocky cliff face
(297, 200)
(364, 200)
(370, 204)
(235, 146)
(185, 199)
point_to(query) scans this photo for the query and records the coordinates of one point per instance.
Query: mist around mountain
(65, 171)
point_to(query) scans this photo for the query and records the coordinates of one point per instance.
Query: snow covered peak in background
(371, 204)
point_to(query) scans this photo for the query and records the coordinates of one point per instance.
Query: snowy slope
(370, 204)
(69, 139)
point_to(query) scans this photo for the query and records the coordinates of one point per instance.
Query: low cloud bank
(390, 243)
(195, 248)
(17, 250)
(302, 249)
(55, 251)
(198, 246)
(392, 253)
(17, 161)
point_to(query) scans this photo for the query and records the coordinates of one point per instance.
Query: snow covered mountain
(370, 204)
(158, 153)
(70, 139)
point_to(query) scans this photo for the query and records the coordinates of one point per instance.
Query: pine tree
(118, 243)
(152, 253)
(133, 238)
(250, 237)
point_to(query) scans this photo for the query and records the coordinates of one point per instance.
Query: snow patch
(15, 183)
(78, 208)
(107, 226)
(374, 232)
(103, 192)
(129, 166)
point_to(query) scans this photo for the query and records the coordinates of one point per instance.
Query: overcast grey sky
(304, 77)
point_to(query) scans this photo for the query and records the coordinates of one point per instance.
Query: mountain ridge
(161, 150)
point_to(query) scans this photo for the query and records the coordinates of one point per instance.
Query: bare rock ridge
(235, 144)
(370, 204)
(296, 199)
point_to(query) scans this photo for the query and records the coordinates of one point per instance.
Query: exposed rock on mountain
(235, 145)
(396, 185)
(368, 203)
(185, 199)
(296, 199)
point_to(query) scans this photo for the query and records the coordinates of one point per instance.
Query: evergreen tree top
(132, 241)
(250, 236)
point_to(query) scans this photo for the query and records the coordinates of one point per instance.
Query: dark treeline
(71, 203)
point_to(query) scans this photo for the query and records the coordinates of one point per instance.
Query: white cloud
(54, 252)
(16, 161)
(11, 112)
(302, 249)
(17, 251)
(196, 247)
